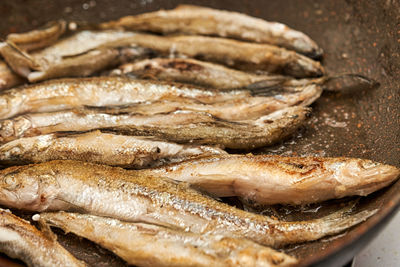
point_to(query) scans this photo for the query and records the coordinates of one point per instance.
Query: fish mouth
(315, 53)
(373, 176)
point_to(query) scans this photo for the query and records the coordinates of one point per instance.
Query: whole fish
(39, 38)
(179, 126)
(8, 78)
(192, 71)
(241, 55)
(121, 194)
(233, 53)
(99, 147)
(152, 245)
(192, 19)
(19, 239)
(65, 94)
(264, 179)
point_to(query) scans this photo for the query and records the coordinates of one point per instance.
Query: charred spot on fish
(268, 121)
(182, 66)
(42, 198)
(158, 150)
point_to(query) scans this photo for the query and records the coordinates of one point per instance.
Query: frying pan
(358, 36)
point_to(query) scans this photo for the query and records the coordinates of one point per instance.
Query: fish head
(18, 189)
(362, 176)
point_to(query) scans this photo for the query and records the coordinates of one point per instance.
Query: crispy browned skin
(192, 19)
(19, 239)
(233, 53)
(65, 94)
(39, 38)
(180, 126)
(237, 54)
(151, 245)
(263, 179)
(121, 194)
(192, 71)
(103, 148)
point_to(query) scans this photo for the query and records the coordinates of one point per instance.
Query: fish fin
(348, 82)
(344, 219)
(32, 63)
(46, 230)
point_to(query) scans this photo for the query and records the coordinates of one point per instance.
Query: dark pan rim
(374, 224)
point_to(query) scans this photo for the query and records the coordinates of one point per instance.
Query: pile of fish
(132, 157)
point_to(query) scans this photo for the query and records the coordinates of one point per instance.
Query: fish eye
(10, 182)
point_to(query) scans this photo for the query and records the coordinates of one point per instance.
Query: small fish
(143, 244)
(264, 179)
(179, 126)
(99, 147)
(192, 71)
(232, 53)
(237, 54)
(39, 38)
(190, 19)
(121, 194)
(19, 239)
(65, 94)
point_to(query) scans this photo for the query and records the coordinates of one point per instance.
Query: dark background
(357, 36)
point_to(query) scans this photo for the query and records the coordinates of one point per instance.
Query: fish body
(232, 53)
(39, 38)
(75, 56)
(19, 239)
(121, 194)
(178, 126)
(65, 94)
(151, 245)
(190, 19)
(99, 147)
(264, 179)
(237, 54)
(192, 71)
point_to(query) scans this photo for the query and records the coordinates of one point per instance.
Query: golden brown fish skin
(70, 57)
(18, 60)
(192, 71)
(240, 109)
(190, 19)
(232, 53)
(124, 195)
(151, 245)
(179, 126)
(8, 78)
(264, 179)
(19, 239)
(39, 38)
(103, 148)
(62, 94)
(79, 66)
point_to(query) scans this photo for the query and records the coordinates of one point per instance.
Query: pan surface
(358, 36)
